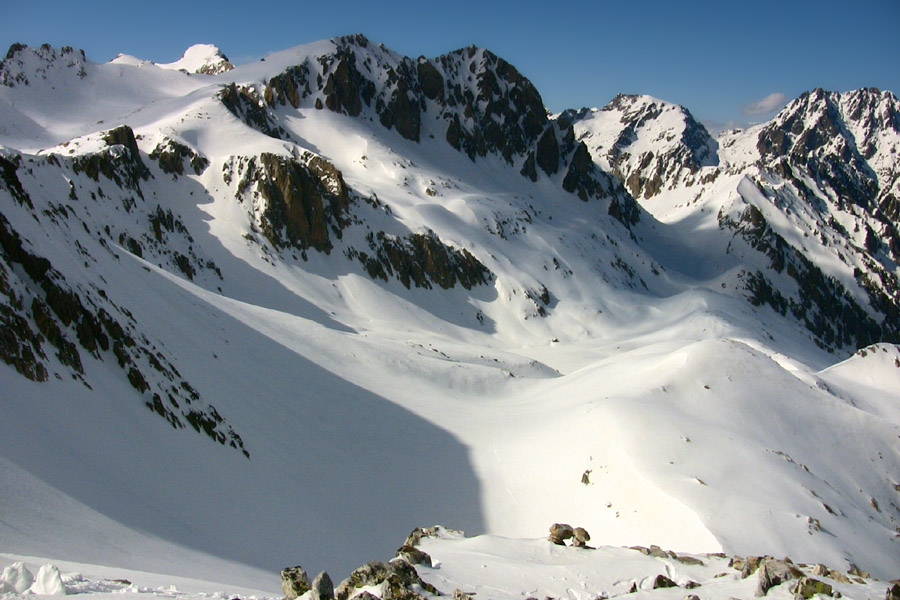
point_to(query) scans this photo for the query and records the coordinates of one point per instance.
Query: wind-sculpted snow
(397, 292)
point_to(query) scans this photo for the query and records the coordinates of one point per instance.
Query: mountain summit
(278, 313)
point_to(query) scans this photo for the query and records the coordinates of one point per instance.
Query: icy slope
(280, 314)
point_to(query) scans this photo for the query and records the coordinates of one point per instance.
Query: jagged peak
(639, 136)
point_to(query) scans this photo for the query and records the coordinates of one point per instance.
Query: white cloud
(769, 104)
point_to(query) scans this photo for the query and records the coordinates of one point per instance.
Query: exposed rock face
(121, 162)
(244, 103)
(305, 199)
(421, 260)
(414, 556)
(171, 156)
(484, 105)
(822, 304)
(47, 323)
(774, 572)
(657, 145)
(322, 587)
(395, 579)
(294, 582)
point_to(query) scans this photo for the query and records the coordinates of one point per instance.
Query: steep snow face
(324, 298)
(650, 144)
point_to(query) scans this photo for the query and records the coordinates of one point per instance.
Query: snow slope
(583, 360)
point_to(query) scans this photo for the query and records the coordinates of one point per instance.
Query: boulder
(691, 597)
(395, 588)
(322, 587)
(774, 572)
(807, 587)
(48, 582)
(414, 556)
(581, 537)
(376, 573)
(294, 582)
(658, 552)
(661, 581)
(560, 532)
(18, 577)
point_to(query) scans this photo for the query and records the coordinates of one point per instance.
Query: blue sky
(716, 58)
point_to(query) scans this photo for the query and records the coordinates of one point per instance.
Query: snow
(703, 424)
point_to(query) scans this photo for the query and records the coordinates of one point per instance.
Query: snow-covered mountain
(285, 312)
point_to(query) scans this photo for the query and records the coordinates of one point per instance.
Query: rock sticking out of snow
(294, 582)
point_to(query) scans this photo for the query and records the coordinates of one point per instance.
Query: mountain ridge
(338, 231)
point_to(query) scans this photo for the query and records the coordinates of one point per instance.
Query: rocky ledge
(437, 561)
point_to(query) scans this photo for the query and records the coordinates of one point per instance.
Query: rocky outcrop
(48, 325)
(305, 199)
(774, 572)
(822, 304)
(120, 162)
(395, 579)
(657, 145)
(171, 156)
(560, 532)
(245, 104)
(484, 105)
(322, 588)
(421, 260)
(294, 582)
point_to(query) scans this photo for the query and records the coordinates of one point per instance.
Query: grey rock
(294, 582)
(395, 588)
(691, 597)
(774, 572)
(322, 587)
(414, 556)
(658, 552)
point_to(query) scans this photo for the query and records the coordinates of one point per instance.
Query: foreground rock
(294, 582)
